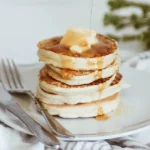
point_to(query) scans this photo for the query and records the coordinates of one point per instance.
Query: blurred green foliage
(136, 21)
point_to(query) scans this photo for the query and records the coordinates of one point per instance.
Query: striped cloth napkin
(11, 139)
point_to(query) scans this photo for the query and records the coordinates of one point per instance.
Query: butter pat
(78, 39)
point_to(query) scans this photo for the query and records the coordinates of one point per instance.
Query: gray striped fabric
(126, 143)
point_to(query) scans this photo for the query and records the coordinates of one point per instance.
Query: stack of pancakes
(75, 84)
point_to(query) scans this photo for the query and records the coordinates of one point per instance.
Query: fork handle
(53, 124)
(42, 134)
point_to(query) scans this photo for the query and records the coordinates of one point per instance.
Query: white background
(24, 22)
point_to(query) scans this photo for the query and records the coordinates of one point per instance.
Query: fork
(11, 80)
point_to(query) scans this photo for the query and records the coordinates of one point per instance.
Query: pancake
(74, 77)
(80, 77)
(50, 98)
(92, 109)
(51, 85)
(99, 56)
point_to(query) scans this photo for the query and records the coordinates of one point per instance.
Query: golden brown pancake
(91, 109)
(104, 47)
(68, 73)
(43, 76)
(117, 79)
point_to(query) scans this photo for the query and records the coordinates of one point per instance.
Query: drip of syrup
(116, 113)
(91, 13)
(102, 117)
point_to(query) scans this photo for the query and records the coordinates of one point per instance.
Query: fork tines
(10, 76)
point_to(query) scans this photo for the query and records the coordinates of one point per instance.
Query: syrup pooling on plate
(82, 67)
(102, 117)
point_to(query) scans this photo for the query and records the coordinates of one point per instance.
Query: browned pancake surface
(104, 47)
(70, 73)
(117, 79)
(114, 82)
(43, 76)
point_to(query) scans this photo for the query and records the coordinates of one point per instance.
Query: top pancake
(104, 47)
(99, 56)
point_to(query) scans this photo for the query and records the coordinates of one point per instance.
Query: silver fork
(12, 82)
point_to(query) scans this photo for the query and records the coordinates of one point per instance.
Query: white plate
(134, 117)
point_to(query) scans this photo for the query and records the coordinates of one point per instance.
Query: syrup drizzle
(102, 117)
(91, 12)
(116, 113)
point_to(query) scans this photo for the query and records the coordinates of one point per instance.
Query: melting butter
(79, 39)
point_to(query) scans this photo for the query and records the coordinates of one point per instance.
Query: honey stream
(116, 113)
